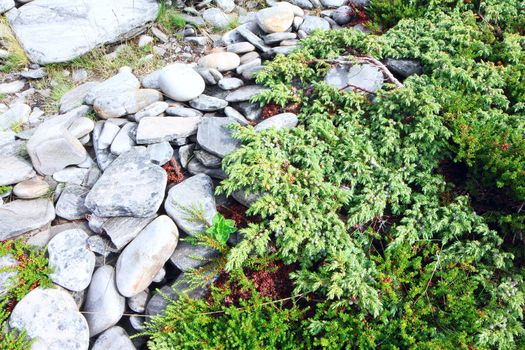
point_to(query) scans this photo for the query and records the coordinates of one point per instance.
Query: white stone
(275, 19)
(114, 338)
(222, 61)
(20, 216)
(122, 82)
(14, 170)
(180, 82)
(32, 188)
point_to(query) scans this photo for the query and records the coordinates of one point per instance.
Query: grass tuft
(17, 58)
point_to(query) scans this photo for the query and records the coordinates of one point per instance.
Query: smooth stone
(8, 265)
(108, 134)
(209, 75)
(159, 34)
(181, 82)
(404, 68)
(160, 153)
(122, 230)
(225, 5)
(104, 305)
(241, 47)
(275, 38)
(131, 186)
(51, 31)
(252, 111)
(188, 256)
(283, 50)
(185, 154)
(51, 318)
(18, 114)
(207, 103)
(343, 15)
(222, 61)
(295, 9)
(303, 4)
(275, 19)
(143, 258)
(145, 40)
(12, 87)
(152, 110)
(366, 77)
(123, 142)
(70, 204)
(129, 102)
(333, 3)
(230, 83)
(137, 302)
(250, 56)
(183, 112)
(122, 82)
(159, 129)
(194, 193)
(312, 23)
(72, 262)
(244, 93)
(278, 121)
(21, 216)
(14, 170)
(234, 114)
(81, 127)
(115, 338)
(38, 73)
(159, 277)
(249, 65)
(52, 147)
(71, 175)
(32, 188)
(75, 98)
(103, 155)
(216, 18)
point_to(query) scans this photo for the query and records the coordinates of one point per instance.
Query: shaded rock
(215, 136)
(123, 230)
(20, 216)
(104, 305)
(160, 153)
(245, 198)
(51, 318)
(180, 82)
(129, 102)
(131, 186)
(343, 15)
(104, 156)
(193, 194)
(278, 121)
(137, 302)
(8, 266)
(252, 38)
(115, 338)
(32, 188)
(275, 38)
(38, 73)
(195, 167)
(71, 260)
(244, 93)
(404, 68)
(14, 170)
(159, 129)
(207, 103)
(81, 127)
(222, 61)
(275, 19)
(143, 258)
(188, 256)
(207, 159)
(234, 114)
(185, 154)
(230, 83)
(70, 204)
(52, 31)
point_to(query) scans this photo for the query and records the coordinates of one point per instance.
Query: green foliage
(221, 228)
(169, 19)
(11, 340)
(5, 189)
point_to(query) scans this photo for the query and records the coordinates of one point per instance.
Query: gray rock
(197, 40)
(252, 38)
(137, 302)
(6, 5)
(75, 97)
(160, 153)
(207, 103)
(131, 186)
(104, 156)
(159, 129)
(210, 75)
(304, 4)
(216, 18)
(404, 68)
(81, 127)
(275, 38)
(18, 114)
(108, 134)
(52, 147)
(71, 175)
(249, 65)
(252, 111)
(123, 142)
(152, 110)
(196, 21)
(365, 77)
(101, 246)
(188, 256)
(185, 154)
(21, 216)
(222, 61)
(115, 338)
(193, 194)
(333, 3)
(230, 83)
(244, 93)
(50, 317)
(234, 114)
(312, 23)
(159, 277)
(207, 159)
(343, 15)
(180, 82)
(278, 121)
(14, 170)
(143, 258)
(122, 103)
(225, 5)
(195, 167)
(241, 47)
(71, 260)
(145, 40)
(246, 199)
(183, 112)
(275, 19)
(79, 75)
(122, 82)
(70, 204)
(38, 73)
(104, 305)
(30, 189)
(123, 230)
(215, 137)
(12, 87)
(52, 31)
(250, 56)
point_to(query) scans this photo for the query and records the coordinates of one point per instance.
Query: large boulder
(52, 31)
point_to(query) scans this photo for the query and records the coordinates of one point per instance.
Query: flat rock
(275, 19)
(128, 102)
(76, 96)
(123, 230)
(230, 83)
(244, 93)
(21, 216)
(51, 318)
(312, 23)
(122, 82)
(104, 305)
(207, 103)
(70, 204)
(30, 189)
(215, 136)
(207, 159)
(365, 77)
(14, 170)
(144, 257)
(12, 87)
(131, 186)
(115, 338)
(159, 129)
(71, 260)
(52, 31)
(222, 61)
(278, 121)
(193, 194)
(188, 256)
(180, 111)
(180, 82)
(71, 175)
(152, 110)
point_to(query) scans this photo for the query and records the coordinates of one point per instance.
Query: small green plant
(169, 18)
(221, 228)
(5, 189)
(17, 127)
(17, 58)
(11, 340)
